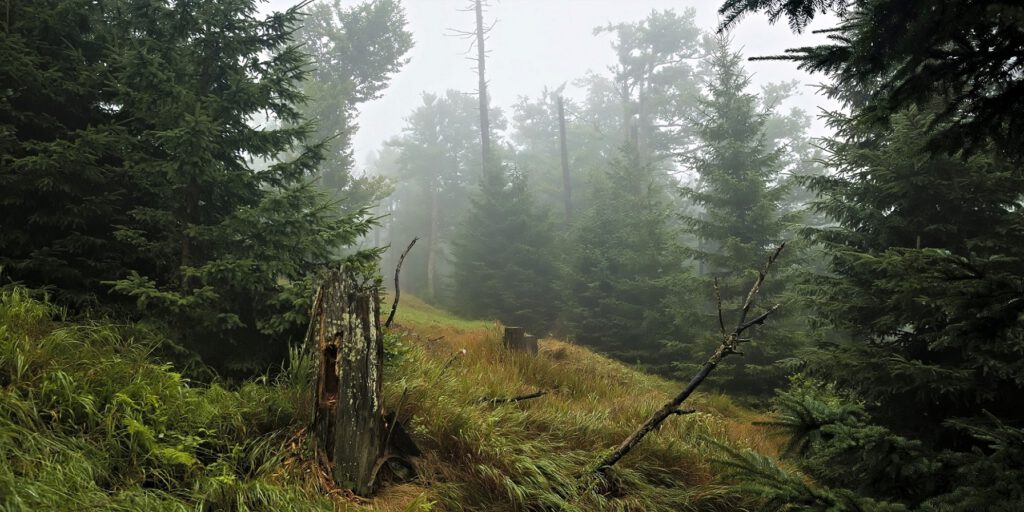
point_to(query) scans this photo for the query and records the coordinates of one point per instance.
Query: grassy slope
(531, 455)
(89, 422)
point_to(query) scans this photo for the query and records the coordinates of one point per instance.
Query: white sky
(538, 43)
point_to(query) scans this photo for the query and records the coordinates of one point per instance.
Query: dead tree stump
(530, 344)
(345, 330)
(517, 340)
(514, 338)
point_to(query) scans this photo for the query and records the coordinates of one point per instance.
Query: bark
(345, 329)
(481, 62)
(513, 339)
(432, 246)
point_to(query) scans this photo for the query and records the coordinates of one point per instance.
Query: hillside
(91, 422)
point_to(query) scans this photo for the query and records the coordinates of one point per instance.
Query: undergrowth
(90, 421)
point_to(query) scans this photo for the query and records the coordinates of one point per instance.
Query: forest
(654, 286)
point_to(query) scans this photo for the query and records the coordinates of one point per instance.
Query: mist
(511, 255)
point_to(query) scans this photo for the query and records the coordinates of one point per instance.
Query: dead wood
(729, 345)
(512, 399)
(398, 291)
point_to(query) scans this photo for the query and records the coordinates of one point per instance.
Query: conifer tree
(137, 160)
(737, 219)
(62, 178)
(355, 51)
(737, 170)
(503, 256)
(623, 263)
(224, 242)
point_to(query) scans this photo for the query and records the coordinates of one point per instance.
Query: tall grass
(89, 421)
(537, 454)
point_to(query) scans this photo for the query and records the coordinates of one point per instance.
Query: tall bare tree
(478, 36)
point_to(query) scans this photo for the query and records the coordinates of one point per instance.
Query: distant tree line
(679, 175)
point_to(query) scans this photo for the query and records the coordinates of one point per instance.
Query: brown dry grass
(534, 454)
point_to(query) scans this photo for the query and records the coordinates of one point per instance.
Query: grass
(89, 421)
(533, 455)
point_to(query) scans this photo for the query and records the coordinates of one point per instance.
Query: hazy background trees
(190, 165)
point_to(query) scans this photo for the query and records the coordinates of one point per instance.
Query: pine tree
(738, 219)
(436, 162)
(908, 53)
(737, 188)
(225, 230)
(138, 164)
(919, 283)
(504, 258)
(355, 51)
(923, 268)
(62, 171)
(623, 263)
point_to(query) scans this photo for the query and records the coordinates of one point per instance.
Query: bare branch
(729, 345)
(398, 292)
(506, 400)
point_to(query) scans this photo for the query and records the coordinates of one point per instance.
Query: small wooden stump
(514, 338)
(530, 344)
(517, 340)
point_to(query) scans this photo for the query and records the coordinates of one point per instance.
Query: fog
(545, 43)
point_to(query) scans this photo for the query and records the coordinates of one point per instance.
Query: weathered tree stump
(345, 329)
(530, 344)
(514, 338)
(517, 340)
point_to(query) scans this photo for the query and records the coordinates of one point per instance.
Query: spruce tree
(225, 229)
(504, 256)
(62, 173)
(137, 159)
(623, 263)
(923, 364)
(736, 222)
(923, 271)
(355, 50)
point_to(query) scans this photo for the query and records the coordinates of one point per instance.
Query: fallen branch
(730, 345)
(398, 292)
(506, 400)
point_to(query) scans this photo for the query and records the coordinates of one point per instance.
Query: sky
(545, 43)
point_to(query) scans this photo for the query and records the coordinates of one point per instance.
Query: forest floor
(89, 420)
(528, 455)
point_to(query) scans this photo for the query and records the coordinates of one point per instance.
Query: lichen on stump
(345, 330)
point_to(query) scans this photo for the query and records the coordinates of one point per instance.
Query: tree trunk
(564, 150)
(530, 344)
(345, 329)
(481, 63)
(432, 247)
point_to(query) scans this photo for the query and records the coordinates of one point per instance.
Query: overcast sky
(544, 43)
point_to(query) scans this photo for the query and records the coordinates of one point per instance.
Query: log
(512, 399)
(345, 329)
